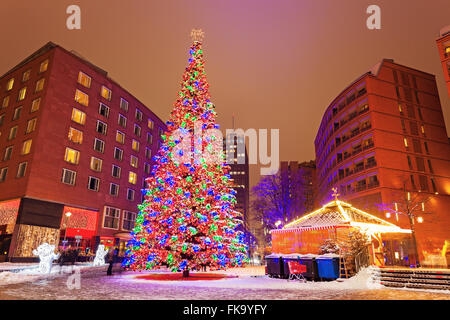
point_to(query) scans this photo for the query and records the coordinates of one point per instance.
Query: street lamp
(68, 214)
(278, 223)
(419, 219)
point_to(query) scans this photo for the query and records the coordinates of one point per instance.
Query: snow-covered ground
(251, 284)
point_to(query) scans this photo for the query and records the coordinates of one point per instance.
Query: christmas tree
(187, 220)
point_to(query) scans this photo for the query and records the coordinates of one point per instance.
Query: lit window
(96, 164)
(40, 85)
(447, 51)
(68, 177)
(129, 218)
(150, 124)
(84, 79)
(122, 121)
(5, 102)
(132, 177)
(75, 135)
(134, 161)
(26, 75)
(22, 94)
(101, 127)
(43, 67)
(78, 116)
(35, 105)
(405, 142)
(10, 84)
(26, 146)
(106, 93)
(72, 156)
(99, 145)
(21, 169)
(3, 173)
(115, 171)
(114, 189)
(111, 218)
(137, 130)
(12, 133)
(17, 113)
(31, 125)
(81, 97)
(120, 137)
(8, 153)
(103, 110)
(93, 183)
(123, 104)
(135, 145)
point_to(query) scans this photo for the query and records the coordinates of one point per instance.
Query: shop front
(8, 215)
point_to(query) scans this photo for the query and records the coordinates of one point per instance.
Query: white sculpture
(99, 259)
(46, 253)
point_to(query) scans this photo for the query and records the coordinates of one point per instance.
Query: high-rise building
(384, 136)
(443, 43)
(75, 149)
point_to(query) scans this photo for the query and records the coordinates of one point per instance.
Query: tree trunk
(185, 273)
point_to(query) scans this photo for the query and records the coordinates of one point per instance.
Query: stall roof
(339, 214)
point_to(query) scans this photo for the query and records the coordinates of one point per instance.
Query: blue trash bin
(328, 267)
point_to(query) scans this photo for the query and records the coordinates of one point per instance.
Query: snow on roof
(337, 214)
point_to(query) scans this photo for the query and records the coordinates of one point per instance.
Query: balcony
(373, 184)
(371, 164)
(368, 146)
(366, 127)
(359, 168)
(360, 187)
(357, 150)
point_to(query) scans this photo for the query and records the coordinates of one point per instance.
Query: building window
(3, 173)
(137, 130)
(409, 163)
(132, 177)
(123, 104)
(93, 183)
(35, 105)
(5, 102)
(425, 144)
(429, 166)
(417, 146)
(150, 124)
(134, 161)
(75, 135)
(400, 109)
(2, 118)
(106, 93)
(39, 85)
(22, 94)
(8, 153)
(103, 110)
(129, 219)
(72, 156)
(130, 194)
(99, 145)
(84, 79)
(78, 116)
(149, 138)
(420, 164)
(10, 84)
(12, 133)
(148, 153)
(405, 141)
(433, 185)
(26, 75)
(120, 137)
(423, 181)
(114, 189)
(26, 147)
(111, 218)
(135, 145)
(122, 121)
(413, 184)
(118, 154)
(21, 169)
(161, 132)
(115, 171)
(147, 168)
(68, 177)
(96, 164)
(101, 127)
(17, 112)
(43, 67)
(138, 115)
(31, 125)
(81, 97)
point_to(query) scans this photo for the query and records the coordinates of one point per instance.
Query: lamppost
(68, 214)
(278, 223)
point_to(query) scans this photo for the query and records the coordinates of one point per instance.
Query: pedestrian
(111, 255)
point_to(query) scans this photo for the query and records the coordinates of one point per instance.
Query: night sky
(273, 64)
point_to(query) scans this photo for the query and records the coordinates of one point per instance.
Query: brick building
(74, 141)
(382, 133)
(443, 43)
